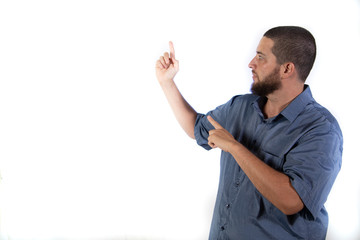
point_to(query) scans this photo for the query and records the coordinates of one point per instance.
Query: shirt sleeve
(313, 165)
(203, 126)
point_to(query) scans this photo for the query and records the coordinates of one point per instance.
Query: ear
(287, 70)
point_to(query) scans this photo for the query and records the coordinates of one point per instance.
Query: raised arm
(166, 68)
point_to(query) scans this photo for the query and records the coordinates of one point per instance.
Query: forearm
(273, 185)
(184, 113)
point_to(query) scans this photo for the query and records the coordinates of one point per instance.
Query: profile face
(265, 69)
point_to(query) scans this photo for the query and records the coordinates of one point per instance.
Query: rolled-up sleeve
(203, 126)
(201, 131)
(313, 165)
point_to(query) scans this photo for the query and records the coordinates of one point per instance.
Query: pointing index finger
(215, 124)
(172, 50)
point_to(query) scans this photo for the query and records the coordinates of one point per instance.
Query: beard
(268, 85)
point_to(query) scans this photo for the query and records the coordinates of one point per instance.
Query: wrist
(234, 147)
(167, 83)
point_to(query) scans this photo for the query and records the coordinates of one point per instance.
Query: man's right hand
(167, 66)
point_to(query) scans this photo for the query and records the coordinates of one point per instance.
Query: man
(281, 150)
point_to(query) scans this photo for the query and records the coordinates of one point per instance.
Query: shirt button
(222, 228)
(227, 205)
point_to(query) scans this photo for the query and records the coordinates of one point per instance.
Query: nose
(252, 64)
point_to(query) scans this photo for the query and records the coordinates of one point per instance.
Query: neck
(280, 99)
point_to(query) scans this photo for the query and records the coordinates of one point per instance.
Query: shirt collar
(294, 108)
(298, 104)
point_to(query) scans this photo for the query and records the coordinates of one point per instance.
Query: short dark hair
(296, 45)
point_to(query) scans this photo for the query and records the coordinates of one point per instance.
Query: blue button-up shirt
(304, 141)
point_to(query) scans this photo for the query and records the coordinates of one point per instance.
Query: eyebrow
(258, 52)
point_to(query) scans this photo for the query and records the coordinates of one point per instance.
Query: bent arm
(275, 186)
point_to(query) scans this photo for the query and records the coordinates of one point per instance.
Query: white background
(89, 148)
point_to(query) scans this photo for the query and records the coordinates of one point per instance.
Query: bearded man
(281, 150)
